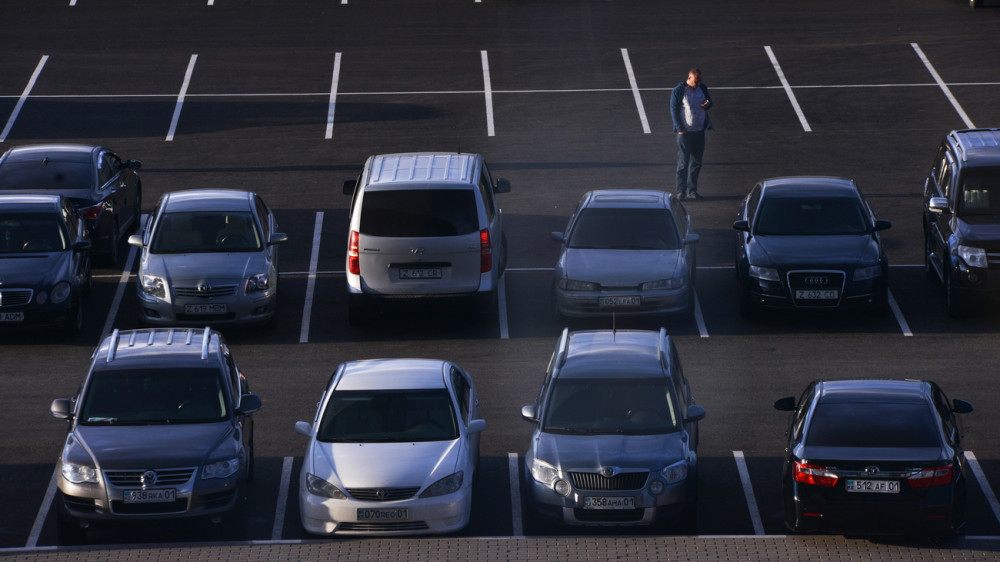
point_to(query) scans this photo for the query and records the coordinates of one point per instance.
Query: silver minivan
(424, 225)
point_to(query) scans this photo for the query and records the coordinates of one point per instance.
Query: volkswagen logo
(417, 251)
(871, 470)
(608, 471)
(204, 288)
(816, 280)
(147, 479)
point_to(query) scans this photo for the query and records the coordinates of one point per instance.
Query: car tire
(74, 323)
(68, 529)
(953, 303)
(929, 270)
(357, 313)
(236, 522)
(747, 308)
(112, 255)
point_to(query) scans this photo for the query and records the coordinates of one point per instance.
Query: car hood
(153, 446)
(374, 465)
(218, 267)
(591, 452)
(34, 269)
(982, 231)
(621, 267)
(813, 250)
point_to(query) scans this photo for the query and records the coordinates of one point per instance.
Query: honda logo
(816, 280)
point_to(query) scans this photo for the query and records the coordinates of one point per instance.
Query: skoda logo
(608, 471)
(204, 288)
(816, 280)
(871, 470)
(417, 251)
(381, 493)
(147, 479)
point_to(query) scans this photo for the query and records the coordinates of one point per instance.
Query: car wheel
(68, 529)
(929, 270)
(250, 455)
(747, 308)
(954, 304)
(74, 323)
(236, 521)
(357, 314)
(111, 258)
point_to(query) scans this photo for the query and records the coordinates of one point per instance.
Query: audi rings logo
(871, 470)
(147, 479)
(816, 280)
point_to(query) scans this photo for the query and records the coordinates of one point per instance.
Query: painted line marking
(635, 92)
(699, 318)
(43, 511)
(311, 283)
(502, 304)
(788, 89)
(180, 98)
(123, 280)
(279, 510)
(24, 97)
(943, 86)
(515, 496)
(899, 316)
(991, 497)
(333, 96)
(488, 92)
(741, 465)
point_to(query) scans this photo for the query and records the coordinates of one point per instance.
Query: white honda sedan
(393, 450)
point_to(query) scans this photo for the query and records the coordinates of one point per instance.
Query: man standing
(689, 105)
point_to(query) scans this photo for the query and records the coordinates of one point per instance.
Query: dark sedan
(874, 457)
(810, 243)
(44, 262)
(104, 189)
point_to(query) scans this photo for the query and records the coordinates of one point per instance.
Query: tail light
(353, 257)
(937, 476)
(815, 475)
(486, 251)
(91, 212)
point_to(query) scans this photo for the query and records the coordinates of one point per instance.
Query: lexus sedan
(874, 457)
(810, 243)
(104, 189)
(393, 450)
(628, 252)
(44, 263)
(209, 256)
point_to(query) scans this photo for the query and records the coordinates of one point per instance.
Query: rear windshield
(388, 416)
(423, 213)
(181, 233)
(641, 406)
(624, 229)
(815, 216)
(868, 424)
(153, 396)
(31, 232)
(980, 192)
(68, 178)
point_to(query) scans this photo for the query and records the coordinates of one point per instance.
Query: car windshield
(624, 229)
(31, 232)
(388, 416)
(153, 396)
(872, 424)
(419, 213)
(207, 231)
(977, 186)
(72, 179)
(781, 216)
(641, 406)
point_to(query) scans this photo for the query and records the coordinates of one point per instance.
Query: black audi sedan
(874, 457)
(44, 263)
(809, 243)
(105, 190)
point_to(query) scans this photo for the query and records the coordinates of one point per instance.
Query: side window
(944, 411)
(680, 219)
(940, 164)
(945, 184)
(800, 413)
(107, 167)
(679, 384)
(486, 192)
(262, 214)
(462, 392)
(752, 201)
(235, 385)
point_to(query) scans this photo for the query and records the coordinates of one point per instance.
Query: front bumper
(588, 304)
(437, 515)
(254, 308)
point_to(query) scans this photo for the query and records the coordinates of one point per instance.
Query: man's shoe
(696, 195)
(682, 196)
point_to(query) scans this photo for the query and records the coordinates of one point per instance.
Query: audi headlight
(153, 286)
(257, 282)
(764, 273)
(78, 473)
(320, 487)
(675, 472)
(220, 469)
(975, 257)
(60, 292)
(574, 285)
(446, 485)
(868, 272)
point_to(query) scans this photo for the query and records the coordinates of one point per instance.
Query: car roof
(822, 186)
(392, 374)
(28, 202)
(978, 147)
(418, 168)
(64, 152)
(159, 347)
(613, 353)
(627, 198)
(874, 390)
(207, 200)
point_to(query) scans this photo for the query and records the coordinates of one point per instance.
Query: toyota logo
(381, 493)
(204, 288)
(147, 479)
(816, 280)
(871, 470)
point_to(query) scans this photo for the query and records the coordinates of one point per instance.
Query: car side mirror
(250, 403)
(528, 413)
(742, 225)
(786, 404)
(82, 246)
(277, 238)
(62, 408)
(882, 224)
(938, 204)
(692, 238)
(477, 426)
(502, 186)
(135, 240)
(961, 406)
(350, 186)
(304, 428)
(695, 413)
(557, 236)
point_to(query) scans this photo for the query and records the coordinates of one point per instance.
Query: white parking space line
(788, 89)
(120, 290)
(943, 86)
(515, 496)
(635, 92)
(279, 509)
(43, 511)
(741, 465)
(180, 98)
(899, 316)
(984, 484)
(311, 283)
(488, 92)
(502, 304)
(699, 318)
(24, 97)
(333, 96)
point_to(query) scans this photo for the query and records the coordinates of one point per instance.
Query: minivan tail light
(936, 476)
(815, 475)
(353, 256)
(91, 212)
(485, 251)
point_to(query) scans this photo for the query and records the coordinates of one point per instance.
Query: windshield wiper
(568, 430)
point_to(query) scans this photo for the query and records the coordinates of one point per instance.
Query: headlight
(574, 285)
(764, 273)
(220, 469)
(543, 472)
(868, 272)
(675, 283)
(675, 472)
(319, 487)
(446, 485)
(975, 257)
(257, 282)
(78, 473)
(153, 286)
(60, 292)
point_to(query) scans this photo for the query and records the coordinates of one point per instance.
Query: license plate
(817, 295)
(618, 301)
(420, 273)
(608, 502)
(11, 317)
(873, 486)
(205, 308)
(398, 514)
(150, 496)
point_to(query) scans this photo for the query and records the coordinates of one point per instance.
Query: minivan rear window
(423, 213)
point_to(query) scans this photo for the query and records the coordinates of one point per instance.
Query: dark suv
(962, 218)
(159, 429)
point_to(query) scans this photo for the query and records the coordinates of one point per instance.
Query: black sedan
(874, 457)
(104, 189)
(44, 262)
(809, 243)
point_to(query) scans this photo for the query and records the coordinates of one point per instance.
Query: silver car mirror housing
(303, 428)
(477, 426)
(695, 413)
(61, 408)
(528, 413)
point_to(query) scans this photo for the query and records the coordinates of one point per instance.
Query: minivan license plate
(150, 496)
(873, 486)
(420, 273)
(608, 502)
